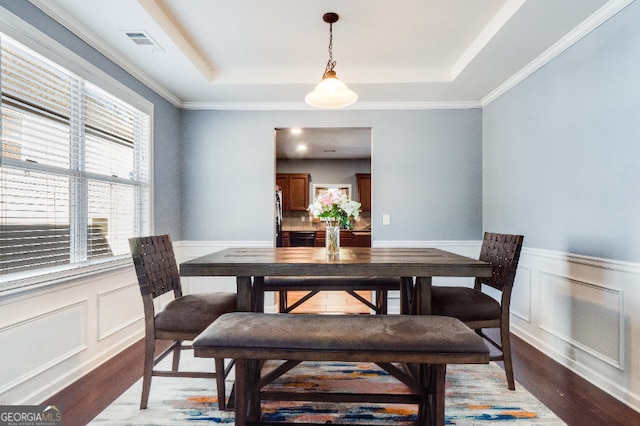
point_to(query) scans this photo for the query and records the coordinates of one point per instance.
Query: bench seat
(425, 344)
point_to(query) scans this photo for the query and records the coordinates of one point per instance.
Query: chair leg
(149, 352)
(220, 381)
(506, 354)
(176, 356)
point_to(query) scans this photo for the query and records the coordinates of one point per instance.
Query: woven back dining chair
(477, 309)
(179, 320)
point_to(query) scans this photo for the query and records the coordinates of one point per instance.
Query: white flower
(334, 205)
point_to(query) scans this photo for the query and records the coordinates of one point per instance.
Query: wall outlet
(302, 218)
(386, 219)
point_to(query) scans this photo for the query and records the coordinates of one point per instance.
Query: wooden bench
(422, 345)
(314, 285)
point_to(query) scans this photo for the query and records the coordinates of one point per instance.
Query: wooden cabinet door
(364, 190)
(346, 238)
(286, 241)
(283, 182)
(295, 191)
(299, 192)
(361, 239)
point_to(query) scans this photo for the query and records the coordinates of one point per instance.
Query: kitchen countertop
(312, 227)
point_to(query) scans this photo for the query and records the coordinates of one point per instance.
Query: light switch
(386, 219)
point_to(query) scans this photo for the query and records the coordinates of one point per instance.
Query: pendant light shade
(331, 92)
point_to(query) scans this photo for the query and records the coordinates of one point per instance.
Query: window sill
(27, 282)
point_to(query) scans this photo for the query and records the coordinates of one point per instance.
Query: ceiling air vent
(141, 38)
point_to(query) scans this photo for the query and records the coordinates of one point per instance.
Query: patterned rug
(475, 395)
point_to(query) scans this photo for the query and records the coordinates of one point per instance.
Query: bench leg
(254, 413)
(247, 401)
(440, 372)
(431, 408)
(241, 403)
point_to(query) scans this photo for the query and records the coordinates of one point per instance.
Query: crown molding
(94, 41)
(594, 21)
(301, 106)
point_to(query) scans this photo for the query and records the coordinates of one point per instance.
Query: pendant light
(331, 92)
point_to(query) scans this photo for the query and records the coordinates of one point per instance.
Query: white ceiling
(257, 54)
(324, 143)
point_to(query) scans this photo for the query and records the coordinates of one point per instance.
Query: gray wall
(166, 130)
(215, 170)
(425, 166)
(561, 150)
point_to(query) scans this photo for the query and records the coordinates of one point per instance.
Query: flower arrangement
(334, 206)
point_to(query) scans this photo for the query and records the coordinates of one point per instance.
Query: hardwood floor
(329, 302)
(570, 397)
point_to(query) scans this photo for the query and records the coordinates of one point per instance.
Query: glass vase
(333, 239)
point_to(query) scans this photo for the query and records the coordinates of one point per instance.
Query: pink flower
(330, 197)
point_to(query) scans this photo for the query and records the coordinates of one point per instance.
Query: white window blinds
(74, 178)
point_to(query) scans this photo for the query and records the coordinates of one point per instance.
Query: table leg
(258, 294)
(245, 293)
(406, 295)
(423, 296)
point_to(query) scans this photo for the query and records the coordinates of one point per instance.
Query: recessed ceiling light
(296, 130)
(301, 147)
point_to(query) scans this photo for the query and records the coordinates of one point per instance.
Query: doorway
(307, 158)
(335, 157)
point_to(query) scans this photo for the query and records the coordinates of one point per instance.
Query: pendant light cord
(331, 63)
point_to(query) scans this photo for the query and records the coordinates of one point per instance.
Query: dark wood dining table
(416, 267)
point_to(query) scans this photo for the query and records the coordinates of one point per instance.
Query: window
(74, 174)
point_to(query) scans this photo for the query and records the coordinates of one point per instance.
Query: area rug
(475, 395)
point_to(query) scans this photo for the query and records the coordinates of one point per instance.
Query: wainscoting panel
(59, 333)
(118, 309)
(521, 294)
(37, 344)
(584, 315)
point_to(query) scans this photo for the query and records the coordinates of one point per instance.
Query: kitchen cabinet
(361, 239)
(286, 241)
(346, 238)
(295, 191)
(364, 190)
